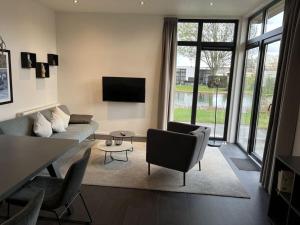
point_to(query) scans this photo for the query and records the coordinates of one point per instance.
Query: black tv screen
(123, 89)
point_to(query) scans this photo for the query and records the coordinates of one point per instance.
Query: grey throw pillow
(80, 119)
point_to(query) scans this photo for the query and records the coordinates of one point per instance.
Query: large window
(259, 78)
(205, 55)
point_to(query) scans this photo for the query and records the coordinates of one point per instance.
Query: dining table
(24, 157)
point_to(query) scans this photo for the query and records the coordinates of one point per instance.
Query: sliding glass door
(205, 56)
(247, 97)
(259, 78)
(269, 74)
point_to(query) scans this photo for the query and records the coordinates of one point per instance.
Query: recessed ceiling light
(76, 2)
(211, 4)
(142, 2)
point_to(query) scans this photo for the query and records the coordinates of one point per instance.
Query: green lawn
(206, 89)
(203, 116)
(263, 119)
(201, 88)
(208, 116)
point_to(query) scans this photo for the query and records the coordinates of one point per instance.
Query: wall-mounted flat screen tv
(123, 89)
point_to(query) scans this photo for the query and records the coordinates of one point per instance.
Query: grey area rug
(245, 164)
(215, 178)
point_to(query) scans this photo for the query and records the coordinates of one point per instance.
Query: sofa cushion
(42, 127)
(47, 113)
(21, 126)
(65, 109)
(80, 119)
(65, 117)
(57, 123)
(78, 132)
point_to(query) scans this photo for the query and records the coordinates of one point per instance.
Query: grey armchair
(180, 147)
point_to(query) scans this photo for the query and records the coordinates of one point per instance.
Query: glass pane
(187, 32)
(251, 64)
(214, 75)
(275, 16)
(255, 28)
(218, 32)
(185, 75)
(266, 98)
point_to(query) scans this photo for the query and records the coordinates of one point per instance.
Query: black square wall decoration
(42, 70)
(52, 60)
(28, 60)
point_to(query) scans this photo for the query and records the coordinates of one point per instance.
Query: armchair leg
(148, 169)
(199, 166)
(183, 179)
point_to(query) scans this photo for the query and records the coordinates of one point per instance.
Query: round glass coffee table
(121, 135)
(124, 147)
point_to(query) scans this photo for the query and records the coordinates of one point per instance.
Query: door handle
(270, 107)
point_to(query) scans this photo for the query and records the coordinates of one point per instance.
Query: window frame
(264, 35)
(211, 46)
(260, 42)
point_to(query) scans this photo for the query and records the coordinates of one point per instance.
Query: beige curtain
(284, 115)
(168, 69)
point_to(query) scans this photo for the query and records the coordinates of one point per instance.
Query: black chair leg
(57, 217)
(69, 211)
(148, 169)
(199, 166)
(86, 208)
(8, 210)
(183, 179)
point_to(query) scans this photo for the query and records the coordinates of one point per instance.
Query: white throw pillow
(42, 127)
(65, 117)
(57, 123)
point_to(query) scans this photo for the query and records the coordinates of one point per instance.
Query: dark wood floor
(118, 206)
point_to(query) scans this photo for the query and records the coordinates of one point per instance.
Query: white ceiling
(230, 8)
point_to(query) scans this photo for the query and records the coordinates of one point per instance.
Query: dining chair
(59, 193)
(29, 214)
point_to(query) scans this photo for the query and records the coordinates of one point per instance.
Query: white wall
(95, 45)
(28, 26)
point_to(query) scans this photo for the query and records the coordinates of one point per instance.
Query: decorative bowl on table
(108, 142)
(118, 141)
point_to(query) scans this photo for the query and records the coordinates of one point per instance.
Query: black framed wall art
(6, 93)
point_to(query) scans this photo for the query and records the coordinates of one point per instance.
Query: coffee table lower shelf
(124, 147)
